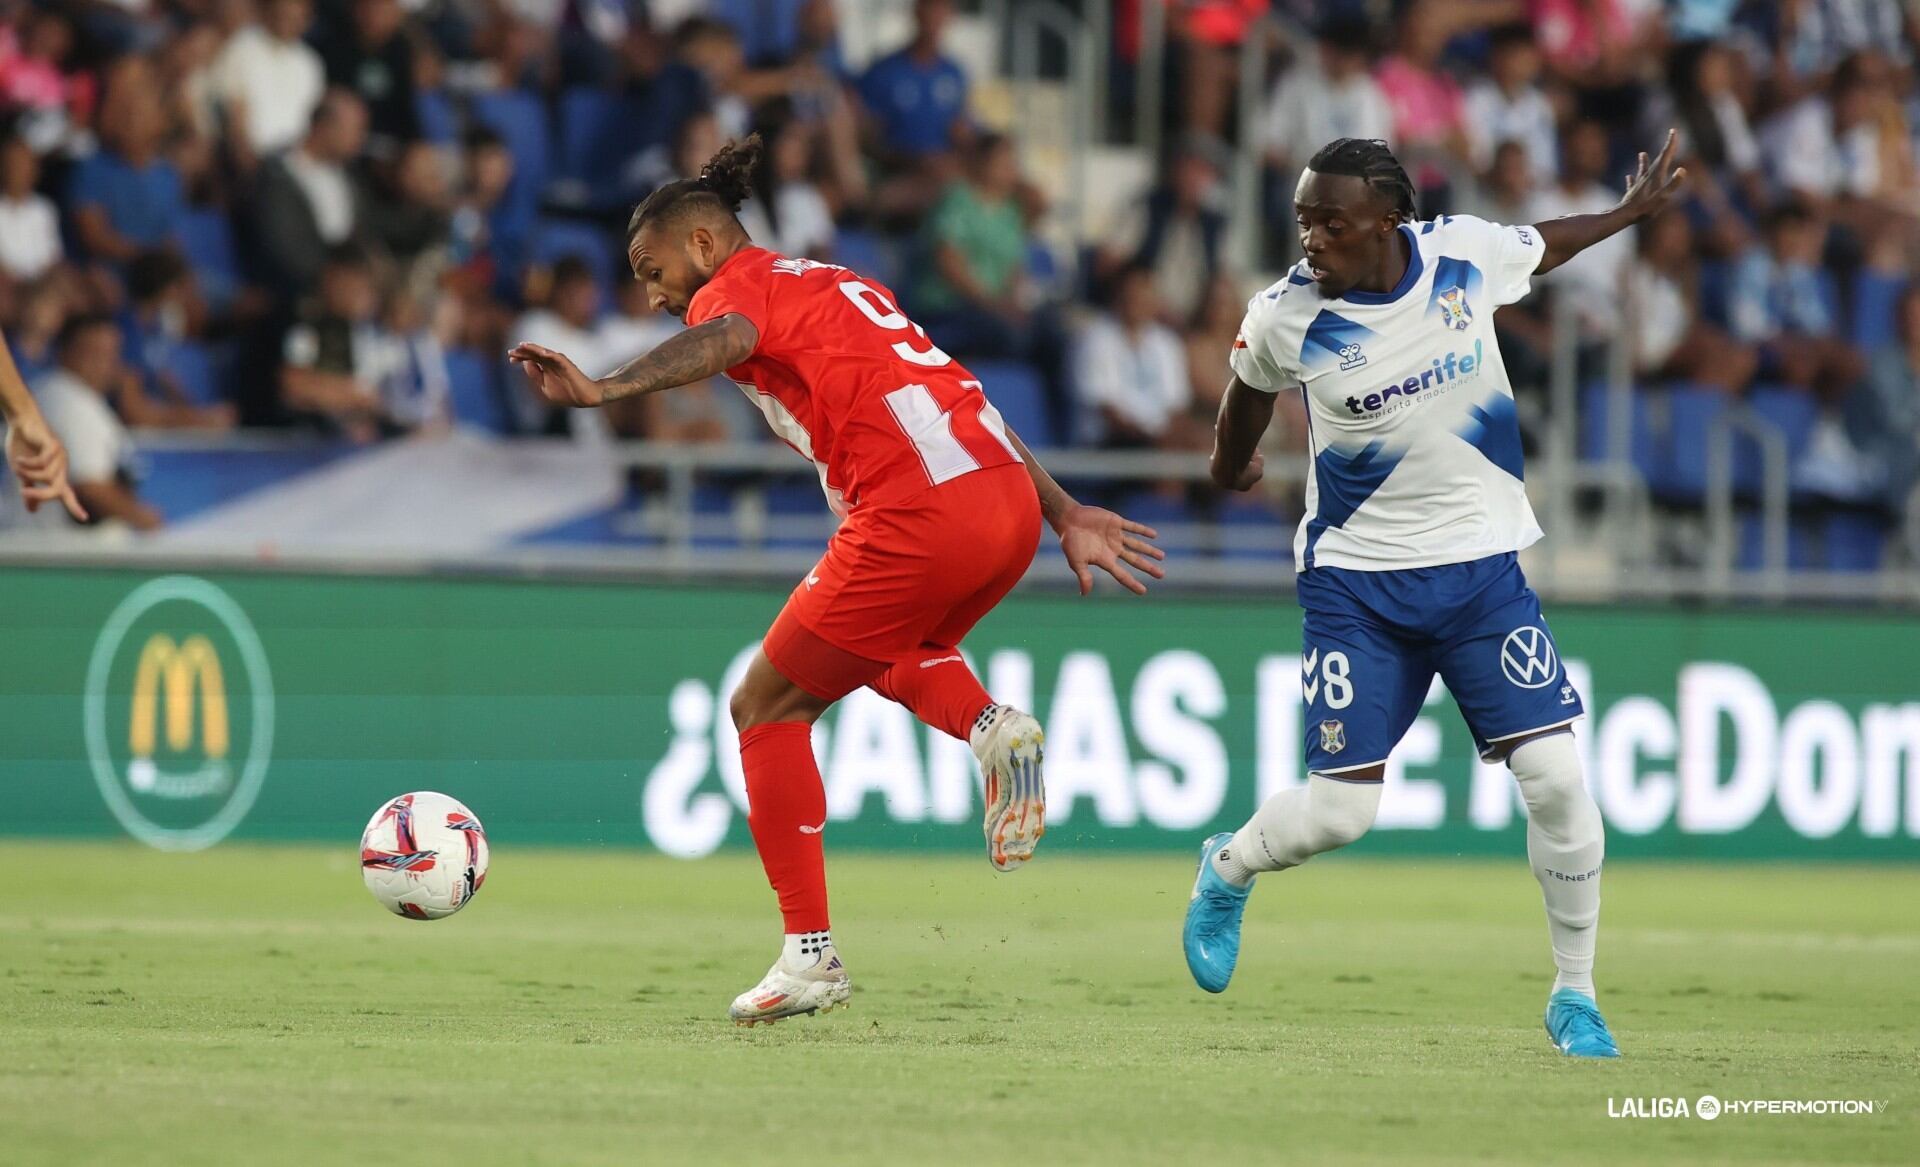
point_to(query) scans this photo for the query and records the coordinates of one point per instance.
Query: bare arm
(703, 351)
(1091, 537)
(1648, 192)
(1245, 413)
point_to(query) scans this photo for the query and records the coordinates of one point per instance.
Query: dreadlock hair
(725, 182)
(1370, 161)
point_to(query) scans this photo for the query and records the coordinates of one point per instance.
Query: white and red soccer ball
(424, 855)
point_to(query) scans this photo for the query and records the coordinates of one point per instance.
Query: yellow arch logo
(177, 672)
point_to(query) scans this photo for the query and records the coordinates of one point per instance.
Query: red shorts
(897, 580)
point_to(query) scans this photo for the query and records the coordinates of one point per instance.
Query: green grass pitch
(253, 1005)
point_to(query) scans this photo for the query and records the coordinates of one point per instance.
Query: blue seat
(1251, 529)
(1642, 450)
(607, 524)
(868, 254)
(1876, 297)
(588, 155)
(1179, 528)
(521, 121)
(1791, 411)
(1681, 466)
(1750, 553)
(478, 398)
(1852, 541)
(556, 239)
(797, 514)
(207, 244)
(439, 123)
(191, 367)
(1017, 391)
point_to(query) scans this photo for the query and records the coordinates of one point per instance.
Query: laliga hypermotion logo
(179, 713)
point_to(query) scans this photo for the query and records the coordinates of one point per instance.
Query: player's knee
(1343, 811)
(1551, 784)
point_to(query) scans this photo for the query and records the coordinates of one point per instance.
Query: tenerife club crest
(1454, 310)
(1333, 736)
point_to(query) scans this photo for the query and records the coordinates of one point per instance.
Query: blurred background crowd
(332, 216)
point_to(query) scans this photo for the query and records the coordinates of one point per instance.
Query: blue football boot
(1212, 933)
(1576, 1027)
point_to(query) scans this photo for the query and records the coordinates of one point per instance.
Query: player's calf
(1011, 748)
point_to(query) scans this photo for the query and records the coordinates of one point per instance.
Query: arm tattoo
(694, 355)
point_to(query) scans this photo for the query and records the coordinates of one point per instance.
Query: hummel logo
(807, 830)
(812, 579)
(1351, 357)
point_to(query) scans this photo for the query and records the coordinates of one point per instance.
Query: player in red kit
(941, 506)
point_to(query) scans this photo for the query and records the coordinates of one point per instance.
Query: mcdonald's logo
(179, 731)
(179, 674)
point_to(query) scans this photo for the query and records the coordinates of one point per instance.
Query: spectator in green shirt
(971, 295)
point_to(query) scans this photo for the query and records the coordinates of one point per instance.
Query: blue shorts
(1373, 640)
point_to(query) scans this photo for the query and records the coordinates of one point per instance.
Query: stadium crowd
(336, 214)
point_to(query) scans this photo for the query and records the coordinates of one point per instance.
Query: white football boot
(1011, 747)
(788, 992)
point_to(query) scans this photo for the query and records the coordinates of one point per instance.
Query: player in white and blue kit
(1416, 508)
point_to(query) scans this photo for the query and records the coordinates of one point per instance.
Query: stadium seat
(591, 147)
(1750, 553)
(1250, 528)
(207, 244)
(1681, 463)
(1017, 391)
(868, 254)
(797, 514)
(521, 121)
(1642, 451)
(1876, 295)
(478, 397)
(192, 368)
(1789, 410)
(439, 123)
(1180, 529)
(556, 239)
(1852, 541)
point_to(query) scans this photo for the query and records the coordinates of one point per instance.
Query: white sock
(803, 949)
(1297, 824)
(1566, 843)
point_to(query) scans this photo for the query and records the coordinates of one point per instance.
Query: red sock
(939, 687)
(786, 809)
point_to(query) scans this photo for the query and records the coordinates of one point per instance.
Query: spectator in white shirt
(705, 411)
(100, 452)
(566, 322)
(787, 213)
(267, 80)
(1510, 106)
(1329, 93)
(29, 224)
(1130, 371)
(1592, 278)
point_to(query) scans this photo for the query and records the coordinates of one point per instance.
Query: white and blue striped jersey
(1411, 423)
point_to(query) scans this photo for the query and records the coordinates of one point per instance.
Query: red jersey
(847, 380)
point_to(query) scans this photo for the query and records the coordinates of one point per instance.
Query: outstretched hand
(40, 462)
(1092, 537)
(1649, 189)
(556, 377)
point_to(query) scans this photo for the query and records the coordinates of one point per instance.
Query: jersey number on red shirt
(934, 419)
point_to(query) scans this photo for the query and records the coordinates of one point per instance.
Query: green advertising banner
(185, 710)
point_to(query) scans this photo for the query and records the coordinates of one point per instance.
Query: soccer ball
(424, 855)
